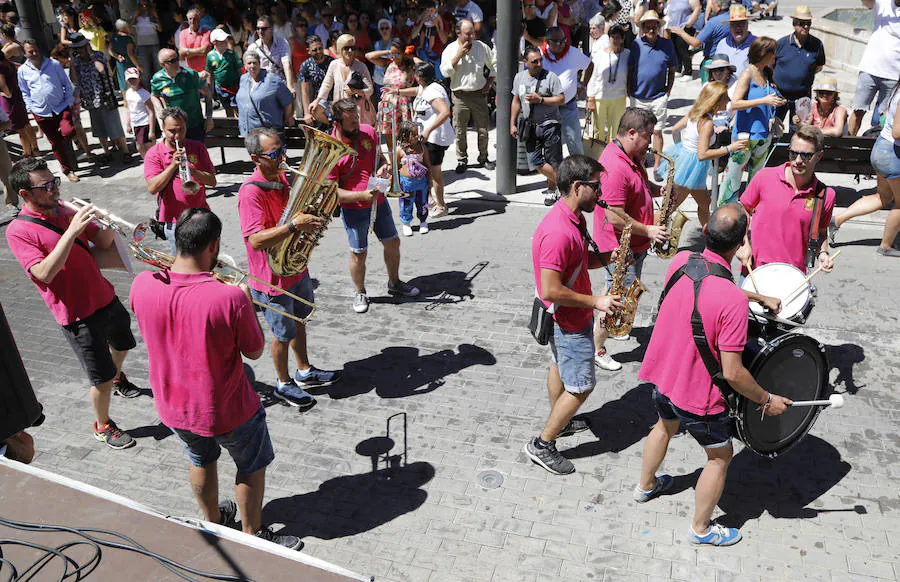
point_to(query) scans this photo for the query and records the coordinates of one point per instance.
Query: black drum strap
(697, 269)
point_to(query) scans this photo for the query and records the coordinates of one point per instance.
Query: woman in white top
(693, 155)
(337, 79)
(606, 89)
(885, 159)
(146, 27)
(597, 36)
(431, 109)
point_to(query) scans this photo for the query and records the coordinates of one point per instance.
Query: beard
(350, 134)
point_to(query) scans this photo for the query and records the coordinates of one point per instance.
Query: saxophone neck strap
(269, 185)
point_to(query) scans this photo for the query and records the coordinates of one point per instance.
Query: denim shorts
(284, 328)
(885, 158)
(633, 271)
(867, 87)
(711, 432)
(356, 223)
(249, 445)
(573, 354)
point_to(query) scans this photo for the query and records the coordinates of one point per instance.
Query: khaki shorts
(659, 107)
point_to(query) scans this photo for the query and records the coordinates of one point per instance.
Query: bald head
(726, 228)
(465, 31)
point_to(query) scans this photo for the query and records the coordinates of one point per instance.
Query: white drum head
(779, 280)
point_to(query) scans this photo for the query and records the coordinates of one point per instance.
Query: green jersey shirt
(182, 91)
(225, 68)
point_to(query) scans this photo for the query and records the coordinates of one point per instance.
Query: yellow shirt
(468, 75)
(95, 35)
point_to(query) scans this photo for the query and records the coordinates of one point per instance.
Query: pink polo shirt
(782, 217)
(352, 172)
(173, 200)
(258, 210)
(195, 329)
(190, 39)
(672, 361)
(558, 245)
(79, 289)
(623, 183)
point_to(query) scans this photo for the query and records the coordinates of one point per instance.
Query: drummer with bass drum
(695, 353)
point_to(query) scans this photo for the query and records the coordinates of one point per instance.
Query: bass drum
(791, 365)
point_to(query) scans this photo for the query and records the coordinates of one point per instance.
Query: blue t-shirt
(795, 66)
(737, 55)
(755, 120)
(649, 67)
(715, 30)
(264, 105)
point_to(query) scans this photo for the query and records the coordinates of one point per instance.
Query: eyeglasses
(263, 28)
(535, 62)
(805, 156)
(274, 154)
(593, 185)
(803, 23)
(49, 186)
(349, 48)
(556, 40)
(170, 61)
(530, 5)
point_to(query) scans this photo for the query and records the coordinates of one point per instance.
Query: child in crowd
(415, 177)
(139, 115)
(224, 71)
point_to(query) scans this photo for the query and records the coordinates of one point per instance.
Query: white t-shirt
(882, 55)
(887, 132)
(609, 76)
(567, 69)
(136, 109)
(426, 114)
(470, 11)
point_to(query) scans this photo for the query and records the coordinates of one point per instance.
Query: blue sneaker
(293, 394)
(315, 377)
(663, 482)
(716, 536)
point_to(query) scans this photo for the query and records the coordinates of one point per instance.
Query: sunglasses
(805, 156)
(263, 28)
(556, 40)
(803, 23)
(170, 61)
(536, 62)
(349, 48)
(49, 186)
(276, 154)
(593, 185)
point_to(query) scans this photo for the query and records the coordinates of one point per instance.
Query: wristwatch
(292, 227)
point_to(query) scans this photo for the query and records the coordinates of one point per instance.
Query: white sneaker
(407, 230)
(605, 361)
(423, 228)
(621, 338)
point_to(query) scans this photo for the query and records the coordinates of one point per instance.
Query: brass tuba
(619, 322)
(674, 225)
(311, 193)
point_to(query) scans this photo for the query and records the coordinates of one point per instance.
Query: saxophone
(620, 322)
(667, 249)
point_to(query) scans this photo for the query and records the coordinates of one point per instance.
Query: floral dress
(391, 106)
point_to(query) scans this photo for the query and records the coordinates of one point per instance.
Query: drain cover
(489, 479)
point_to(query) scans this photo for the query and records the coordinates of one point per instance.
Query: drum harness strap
(697, 269)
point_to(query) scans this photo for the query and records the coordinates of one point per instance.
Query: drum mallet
(834, 401)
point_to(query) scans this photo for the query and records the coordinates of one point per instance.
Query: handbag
(592, 146)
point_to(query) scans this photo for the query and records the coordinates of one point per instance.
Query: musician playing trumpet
(52, 243)
(164, 175)
(262, 199)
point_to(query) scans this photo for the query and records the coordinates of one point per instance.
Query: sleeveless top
(755, 120)
(679, 12)
(415, 165)
(690, 137)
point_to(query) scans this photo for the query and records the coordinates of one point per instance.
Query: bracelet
(827, 254)
(292, 228)
(728, 149)
(763, 407)
(542, 98)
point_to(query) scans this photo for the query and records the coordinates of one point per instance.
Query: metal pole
(509, 18)
(32, 23)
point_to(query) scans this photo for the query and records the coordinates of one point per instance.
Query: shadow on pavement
(783, 486)
(443, 287)
(843, 358)
(352, 504)
(642, 335)
(462, 213)
(401, 371)
(618, 424)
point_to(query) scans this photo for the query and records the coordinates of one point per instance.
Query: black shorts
(545, 147)
(435, 153)
(710, 432)
(91, 338)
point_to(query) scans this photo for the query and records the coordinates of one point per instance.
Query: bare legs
(248, 493)
(701, 197)
(563, 405)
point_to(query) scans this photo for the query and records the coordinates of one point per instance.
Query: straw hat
(737, 13)
(826, 84)
(720, 61)
(802, 12)
(650, 15)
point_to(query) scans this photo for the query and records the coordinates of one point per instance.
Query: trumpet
(188, 184)
(225, 269)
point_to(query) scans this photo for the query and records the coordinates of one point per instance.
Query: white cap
(218, 35)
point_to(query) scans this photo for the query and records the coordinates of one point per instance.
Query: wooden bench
(224, 134)
(842, 155)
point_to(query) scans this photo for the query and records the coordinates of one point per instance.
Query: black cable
(80, 570)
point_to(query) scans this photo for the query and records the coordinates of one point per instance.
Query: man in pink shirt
(197, 330)
(685, 391)
(161, 170)
(624, 185)
(194, 43)
(52, 243)
(559, 254)
(261, 202)
(782, 201)
(356, 197)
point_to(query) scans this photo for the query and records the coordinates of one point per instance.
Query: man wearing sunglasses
(566, 63)
(274, 52)
(799, 56)
(52, 243)
(262, 199)
(177, 86)
(783, 201)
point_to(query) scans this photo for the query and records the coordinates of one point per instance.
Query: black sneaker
(228, 513)
(315, 377)
(461, 167)
(549, 458)
(402, 289)
(293, 394)
(575, 425)
(487, 164)
(124, 388)
(289, 542)
(113, 436)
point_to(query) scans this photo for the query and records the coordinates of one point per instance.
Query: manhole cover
(489, 479)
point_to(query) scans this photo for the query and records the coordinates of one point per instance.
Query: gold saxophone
(311, 193)
(620, 321)
(674, 225)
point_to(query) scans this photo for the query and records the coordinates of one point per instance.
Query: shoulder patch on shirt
(367, 145)
(810, 202)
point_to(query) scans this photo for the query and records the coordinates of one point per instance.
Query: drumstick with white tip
(790, 296)
(834, 401)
